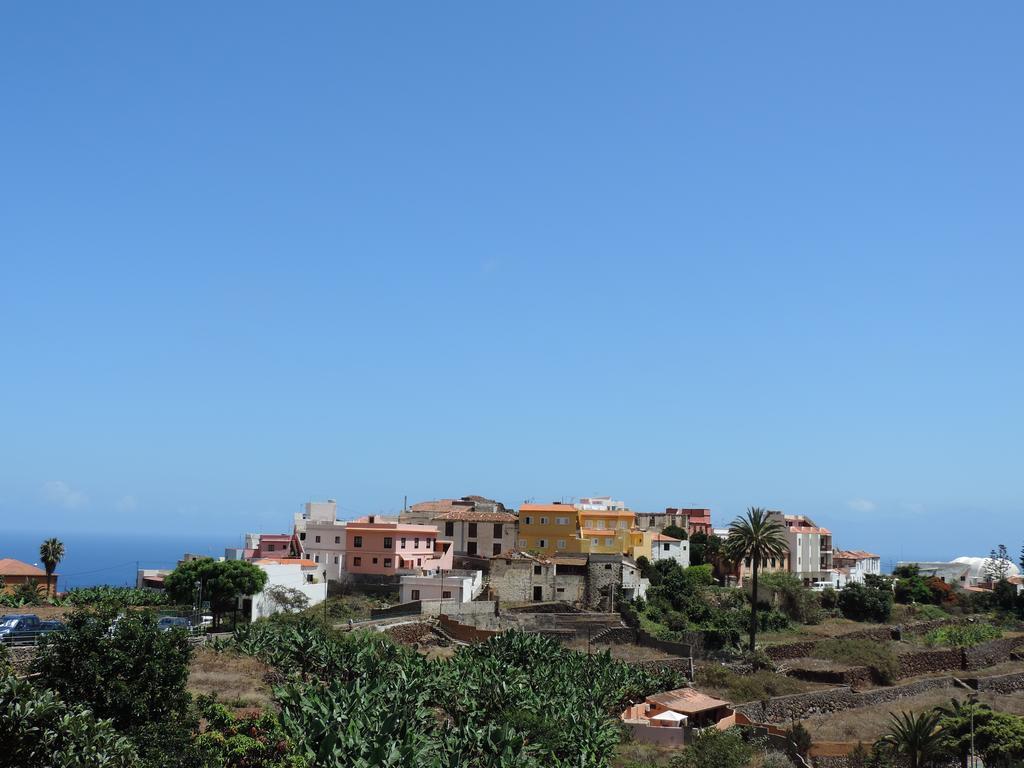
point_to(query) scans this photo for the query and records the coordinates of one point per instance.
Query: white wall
(463, 587)
(292, 576)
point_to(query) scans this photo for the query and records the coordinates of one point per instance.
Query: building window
(419, 561)
(302, 536)
(387, 562)
(543, 521)
(357, 561)
(665, 547)
(607, 566)
(403, 542)
(337, 539)
(335, 559)
(542, 543)
(537, 570)
(529, 520)
(497, 530)
(270, 547)
(561, 543)
(449, 529)
(389, 542)
(472, 530)
(746, 562)
(560, 589)
(470, 547)
(316, 558)
(446, 595)
(593, 542)
(317, 539)
(608, 542)
(416, 543)
(561, 521)
(357, 541)
(375, 561)
(496, 548)
(522, 543)
(600, 525)
(415, 594)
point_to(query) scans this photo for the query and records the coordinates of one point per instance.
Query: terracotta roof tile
(11, 567)
(477, 517)
(687, 700)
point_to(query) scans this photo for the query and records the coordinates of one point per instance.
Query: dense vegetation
(109, 691)
(516, 700)
(963, 635)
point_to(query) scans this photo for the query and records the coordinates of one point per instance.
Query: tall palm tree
(917, 737)
(756, 536)
(51, 552)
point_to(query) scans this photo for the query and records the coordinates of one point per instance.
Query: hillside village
(757, 636)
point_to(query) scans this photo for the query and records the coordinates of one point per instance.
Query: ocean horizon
(93, 558)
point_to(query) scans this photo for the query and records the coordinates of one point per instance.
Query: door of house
(538, 594)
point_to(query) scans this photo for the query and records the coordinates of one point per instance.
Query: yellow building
(549, 529)
(606, 531)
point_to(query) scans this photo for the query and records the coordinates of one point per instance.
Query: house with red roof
(15, 572)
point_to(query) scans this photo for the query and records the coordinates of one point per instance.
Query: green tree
(675, 532)
(125, 669)
(222, 582)
(51, 552)
(870, 601)
(38, 729)
(757, 537)
(997, 566)
(917, 738)
(715, 749)
(998, 736)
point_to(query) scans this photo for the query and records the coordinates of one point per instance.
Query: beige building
(322, 536)
(520, 577)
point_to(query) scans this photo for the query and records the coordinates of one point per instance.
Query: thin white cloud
(862, 505)
(60, 493)
(127, 503)
(913, 506)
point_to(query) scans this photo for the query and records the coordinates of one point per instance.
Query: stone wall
(21, 659)
(784, 709)
(791, 650)
(402, 609)
(855, 677)
(681, 665)
(999, 683)
(922, 662)
(991, 653)
(465, 632)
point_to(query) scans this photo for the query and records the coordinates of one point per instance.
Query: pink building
(276, 545)
(389, 548)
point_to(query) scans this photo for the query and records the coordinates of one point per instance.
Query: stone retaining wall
(784, 709)
(21, 659)
(464, 632)
(999, 683)
(627, 635)
(922, 662)
(852, 676)
(991, 653)
(881, 633)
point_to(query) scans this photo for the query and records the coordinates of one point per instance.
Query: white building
(668, 548)
(961, 571)
(601, 504)
(855, 564)
(303, 575)
(322, 536)
(810, 548)
(455, 585)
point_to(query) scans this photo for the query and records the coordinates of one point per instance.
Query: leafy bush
(249, 741)
(867, 653)
(797, 601)
(865, 602)
(38, 729)
(715, 749)
(962, 635)
(124, 597)
(125, 669)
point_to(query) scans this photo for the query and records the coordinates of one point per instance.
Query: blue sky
(254, 254)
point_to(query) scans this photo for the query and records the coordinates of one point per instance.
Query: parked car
(167, 623)
(25, 627)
